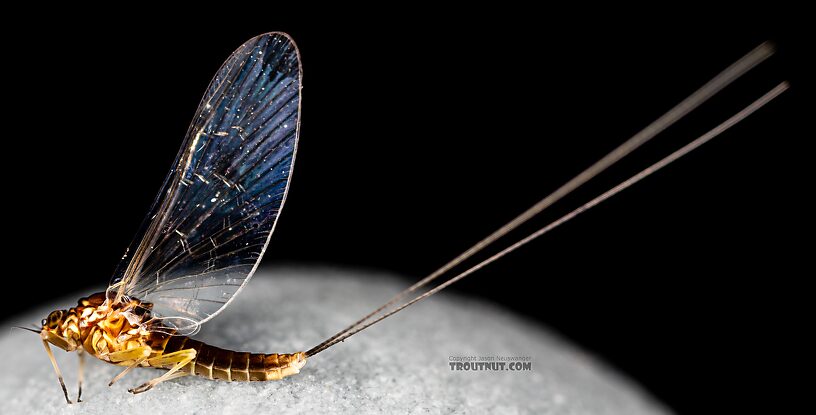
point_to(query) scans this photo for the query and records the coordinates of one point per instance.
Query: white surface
(398, 366)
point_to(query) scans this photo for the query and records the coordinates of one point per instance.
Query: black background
(418, 140)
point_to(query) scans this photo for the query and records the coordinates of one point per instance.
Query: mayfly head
(61, 330)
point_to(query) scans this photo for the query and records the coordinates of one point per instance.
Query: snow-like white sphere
(401, 365)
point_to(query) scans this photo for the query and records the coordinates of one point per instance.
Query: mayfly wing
(210, 224)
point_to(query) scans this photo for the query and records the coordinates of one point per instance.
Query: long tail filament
(708, 90)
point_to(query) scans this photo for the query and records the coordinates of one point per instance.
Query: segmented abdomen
(216, 363)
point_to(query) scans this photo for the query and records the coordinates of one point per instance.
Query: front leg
(57, 369)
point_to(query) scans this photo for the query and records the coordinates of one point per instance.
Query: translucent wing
(209, 226)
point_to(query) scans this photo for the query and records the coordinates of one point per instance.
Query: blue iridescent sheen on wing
(212, 219)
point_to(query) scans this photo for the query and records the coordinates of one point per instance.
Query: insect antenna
(26, 328)
(727, 76)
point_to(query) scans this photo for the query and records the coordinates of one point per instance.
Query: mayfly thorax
(207, 230)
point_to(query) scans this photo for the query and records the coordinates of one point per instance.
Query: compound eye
(53, 318)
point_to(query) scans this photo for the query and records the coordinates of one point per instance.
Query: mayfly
(207, 230)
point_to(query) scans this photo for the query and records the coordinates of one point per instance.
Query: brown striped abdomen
(216, 363)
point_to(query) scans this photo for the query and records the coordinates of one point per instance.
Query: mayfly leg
(136, 354)
(178, 359)
(126, 371)
(56, 369)
(81, 374)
